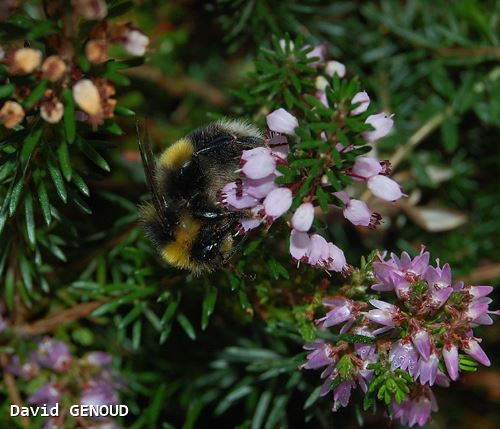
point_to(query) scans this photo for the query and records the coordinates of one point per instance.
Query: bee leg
(207, 247)
(201, 209)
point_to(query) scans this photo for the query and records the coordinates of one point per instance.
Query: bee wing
(149, 164)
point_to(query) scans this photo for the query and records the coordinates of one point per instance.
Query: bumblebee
(185, 221)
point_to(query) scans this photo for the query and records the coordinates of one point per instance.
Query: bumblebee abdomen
(176, 155)
(177, 252)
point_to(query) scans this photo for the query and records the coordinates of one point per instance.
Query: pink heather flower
(343, 312)
(237, 198)
(99, 393)
(333, 67)
(53, 354)
(384, 315)
(364, 351)
(384, 188)
(319, 52)
(440, 278)
(258, 163)
(322, 355)
(299, 244)
(282, 122)
(450, 357)
(364, 101)
(382, 124)
(479, 291)
(342, 394)
(318, 251)
(136, 43)
(259, 188)
(98, 358)
(427, 370)
(366, 167)
(412, 268)
(417, 410)
(250, 223)
(47, 394)
(357, 212)
(473, 349)
(277, 202)
(303, 217)
(321, 96)
(438, 297)
(422, 343)
(337, 261)
(404, 356)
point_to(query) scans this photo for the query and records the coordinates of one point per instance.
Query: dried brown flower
(90, 9)
(11, 114)
(97, 51)
(52, 110)
(53, 68)
(25, 60)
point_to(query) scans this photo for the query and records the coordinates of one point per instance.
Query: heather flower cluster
(265, 200)
(413, 330)
(67, 380)
(36, 82)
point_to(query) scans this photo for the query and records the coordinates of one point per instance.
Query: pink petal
(282, 122)
(384, 188)
(230, 197)
(358, 213)
(259, 188)
(299, 244)
(259, 166)
(366, 167)
(338, 261)
(277, 202)
(382, 124)
(333, 67)
(303, 217)
(363, 99)
(318, 250)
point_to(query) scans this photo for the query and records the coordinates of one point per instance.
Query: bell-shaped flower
(282, 121)
(303, 217)
(450, 357)
(277, 202)
(385, 188)
(422, 343)
(382, 124)
(472, 348)
(363, 101)
(335, 67)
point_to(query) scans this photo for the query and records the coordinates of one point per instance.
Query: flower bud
(87, 97)
(333, 67)
(90, 9)
(136, 43)
(282, 122)
(320, 83)
(52, 111)
(25, 60)
(364, 101)
(11, 114)
(53, 68)
(97, 51)
(319, 52)
(382, 124)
